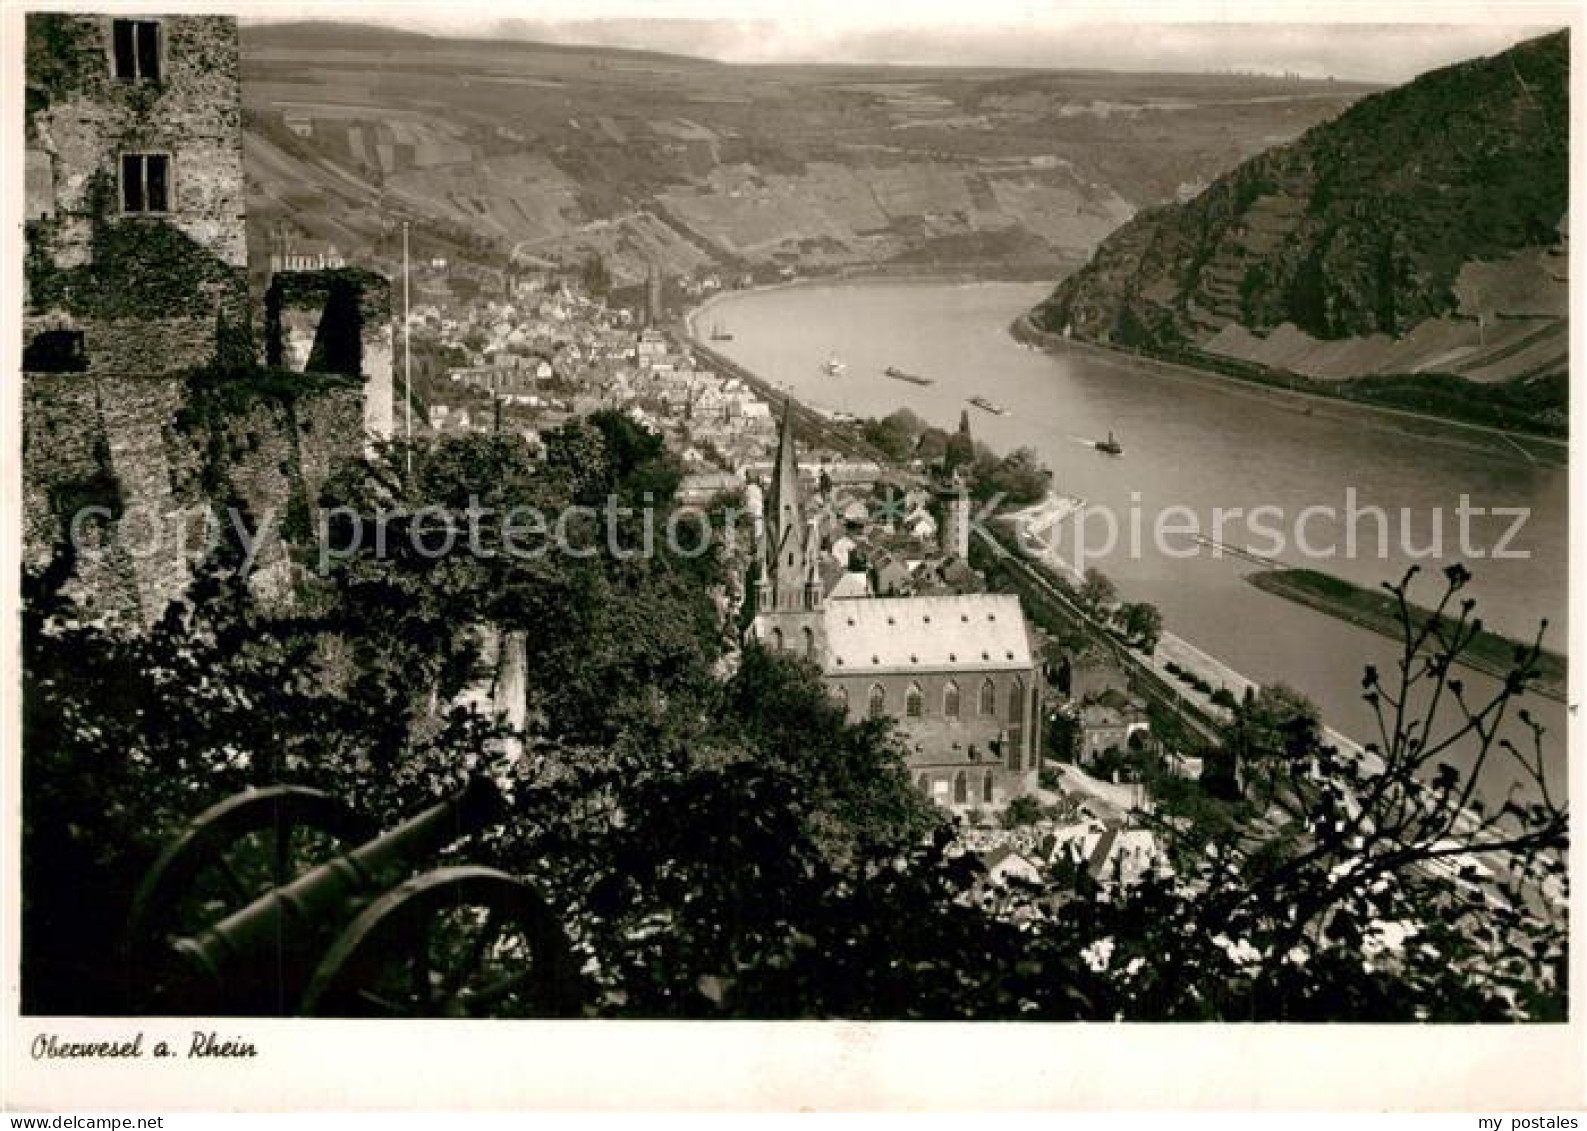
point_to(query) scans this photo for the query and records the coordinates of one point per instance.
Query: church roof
(853, 585)
(975, 632)
(832, 573)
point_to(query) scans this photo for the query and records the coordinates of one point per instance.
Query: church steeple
(813, 588)
(783, 500)
(788, 548)
(765, 595)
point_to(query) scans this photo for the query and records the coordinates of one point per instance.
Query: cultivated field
(491, 146)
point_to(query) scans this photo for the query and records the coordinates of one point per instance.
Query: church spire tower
(788, 549)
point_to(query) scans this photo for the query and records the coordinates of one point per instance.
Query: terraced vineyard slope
(1421, 234)
(498, 149)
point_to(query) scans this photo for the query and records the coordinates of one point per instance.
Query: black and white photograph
(806, 513)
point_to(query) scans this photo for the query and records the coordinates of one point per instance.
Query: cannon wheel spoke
(489, 932)
(281, 862)
(419, 959)
(259, 835)
(405, 931)
(224, 869)
(486, 996)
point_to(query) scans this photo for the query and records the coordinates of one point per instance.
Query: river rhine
(1202, 445)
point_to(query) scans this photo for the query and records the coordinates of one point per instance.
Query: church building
(959, 673)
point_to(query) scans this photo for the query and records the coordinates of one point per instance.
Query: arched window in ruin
(878, 704)
(914, 701)
(988, 697)
(950, 700)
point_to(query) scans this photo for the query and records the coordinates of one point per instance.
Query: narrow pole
(407, 352)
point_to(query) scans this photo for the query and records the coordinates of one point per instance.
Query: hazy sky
(1382, 41)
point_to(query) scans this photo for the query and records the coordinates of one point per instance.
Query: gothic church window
(878, 701)
(988, 698)
(1016, 703)
(914, 701)
(950, 700)
(1016, 724)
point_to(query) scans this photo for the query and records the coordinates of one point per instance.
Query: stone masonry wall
(276, 456)
(145, 289)
(337, 320)
(168, 420)
(136, 449)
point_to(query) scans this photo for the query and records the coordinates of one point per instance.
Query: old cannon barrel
(258, 959)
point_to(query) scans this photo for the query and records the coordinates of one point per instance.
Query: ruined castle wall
(135, 415)
(65, 472)
(337, 320)
(379, 380)
(277, 455)
(162, 420)
(144, 288)
(327, 437)
(168, 476)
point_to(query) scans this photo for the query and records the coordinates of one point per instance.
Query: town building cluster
(861, 569)
(550, 352)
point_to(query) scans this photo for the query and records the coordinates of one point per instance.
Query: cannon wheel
(225, 858)
(454, 942)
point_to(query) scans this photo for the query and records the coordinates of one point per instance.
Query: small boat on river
(900, 375)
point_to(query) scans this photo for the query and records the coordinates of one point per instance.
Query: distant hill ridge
(333, 35)
(511, 149)
(1421, 231)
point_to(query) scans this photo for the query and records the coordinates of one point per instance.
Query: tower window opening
(135, 48)
(145, 182)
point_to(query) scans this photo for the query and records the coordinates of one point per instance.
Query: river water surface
(1209, 446)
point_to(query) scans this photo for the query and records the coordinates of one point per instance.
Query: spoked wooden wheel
(455, 942)
(227, 857)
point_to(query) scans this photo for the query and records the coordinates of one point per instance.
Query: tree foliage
(1142, 623)
(1019, 478)
(895, 435)
(1097, 591)
(714, 835)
